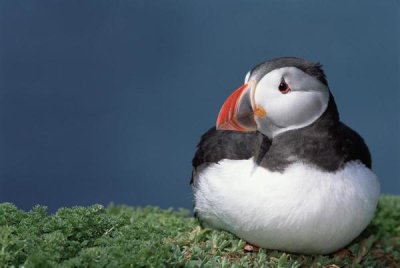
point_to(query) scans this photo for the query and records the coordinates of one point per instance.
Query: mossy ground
(121, 236)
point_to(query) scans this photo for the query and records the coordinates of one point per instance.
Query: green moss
(121, 236)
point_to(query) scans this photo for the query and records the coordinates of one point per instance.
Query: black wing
(216, 145)
(354, 147)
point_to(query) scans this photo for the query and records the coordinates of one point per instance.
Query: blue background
(105, 101)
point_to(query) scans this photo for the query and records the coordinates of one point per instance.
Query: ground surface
(120, 236)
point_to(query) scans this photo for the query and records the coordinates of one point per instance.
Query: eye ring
(284, 87)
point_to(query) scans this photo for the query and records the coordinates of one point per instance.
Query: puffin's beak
(237, 112)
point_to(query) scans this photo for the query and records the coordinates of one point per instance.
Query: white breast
(303, 210)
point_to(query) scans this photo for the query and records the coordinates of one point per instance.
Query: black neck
(315, 144)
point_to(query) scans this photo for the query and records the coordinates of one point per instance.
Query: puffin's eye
(283, 87)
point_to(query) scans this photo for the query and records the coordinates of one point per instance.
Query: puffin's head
(278, 95)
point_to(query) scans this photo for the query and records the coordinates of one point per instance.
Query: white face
(301, 100)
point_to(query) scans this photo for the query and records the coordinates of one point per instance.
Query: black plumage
(216, 145)
(310, 68)
(327, 144)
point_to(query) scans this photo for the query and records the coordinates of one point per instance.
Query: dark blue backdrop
(105, 100)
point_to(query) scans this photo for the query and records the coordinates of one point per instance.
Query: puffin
(279, 169)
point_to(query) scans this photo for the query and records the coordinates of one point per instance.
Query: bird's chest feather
(300, 206)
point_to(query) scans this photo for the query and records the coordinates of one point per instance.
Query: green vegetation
(121, 236)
